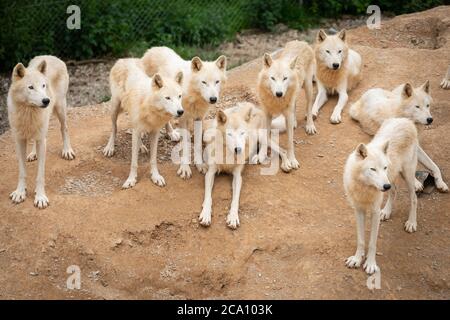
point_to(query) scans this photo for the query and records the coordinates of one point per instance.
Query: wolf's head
(372, 166)
(30, 85)
(278, 75)
(208, 77)
(166, 94)
(331, 50)
(416, 103)
(233, 125)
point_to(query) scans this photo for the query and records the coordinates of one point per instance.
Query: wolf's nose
(237, 150)
(335, 66)
(279, 94)
(429, 120)
(213, 99)
(180, 112)
(386, 186)
(45, 101)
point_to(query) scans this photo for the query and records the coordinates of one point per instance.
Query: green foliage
(123, 27)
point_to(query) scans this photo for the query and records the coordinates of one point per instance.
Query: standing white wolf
(377, 105)
(373, 169)
(150, 102)
(338, 71)
(231, 139)
(34, 94)
(202, 84)
(279, 84)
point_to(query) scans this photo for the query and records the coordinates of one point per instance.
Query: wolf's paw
(175, 135)
(385, 215)
(335, 118)
(108, 151)
(202, 168)
(354, 261)
(143, 149)
(441, 186)
(68, 154)
(262, 158)
(410, 226)
(32, 157)
(418, 185)
(310, 129)
(294, 163)
(233, 220)
(315, 113)
(285, 165)
(130, 183)
(158, 179)
(184, 171)
(205, 217)
(371, 267)
(18, 195)
(41, 201)
(445, 84)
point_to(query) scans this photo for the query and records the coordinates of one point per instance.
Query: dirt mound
(296, 229)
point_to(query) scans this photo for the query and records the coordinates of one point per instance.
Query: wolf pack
(161, 86)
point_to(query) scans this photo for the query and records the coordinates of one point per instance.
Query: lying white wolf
(371, 170)
(377, 105)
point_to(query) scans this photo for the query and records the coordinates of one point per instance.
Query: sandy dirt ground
(296, 229)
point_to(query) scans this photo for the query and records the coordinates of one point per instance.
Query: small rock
(34, 274)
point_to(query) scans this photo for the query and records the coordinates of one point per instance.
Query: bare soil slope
(296, 229)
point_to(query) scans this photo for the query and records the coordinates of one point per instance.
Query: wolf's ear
(267, 60)
(196, 64)
(157, 82)
(361, 150)
(385, 147)
(42, 67)
(293, 63)
(18, 72)
(321, 36)
(221, 63)
(426, 86)
(407, 90)
(221, 117)
(179, 78)
(342, 34)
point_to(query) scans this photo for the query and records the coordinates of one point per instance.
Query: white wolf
(377, 105)
(373, 169)
(338, 70)
(150, 102)
(34, 94)
(202, 85)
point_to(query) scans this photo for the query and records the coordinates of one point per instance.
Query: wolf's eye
(340, 51)
(179, 97)
(328, 51)
(428, 105)
(272, 78)
(43, 86)
(385, 168)
(167, 98)
(373, 169)
(242, 133)
(418, 107)
(217, 82)
(229, 134)
(204, 82)
(285, 78)
(30, 87)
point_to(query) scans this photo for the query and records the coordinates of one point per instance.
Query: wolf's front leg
(435, 171)
(342, 101)
(310, 128)
(173, 134)
(154, 173)
(355, 261)
(387, 210)
(19, 195)
(205, 215)
(321, 98)
(290, 133)
(135, 144)
(185, 171)
(264, 141)
(32, 156)
(233, 215)
(40, 199)
(371, 265)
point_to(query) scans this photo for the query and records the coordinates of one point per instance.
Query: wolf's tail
(355, 109)
(279, 123)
